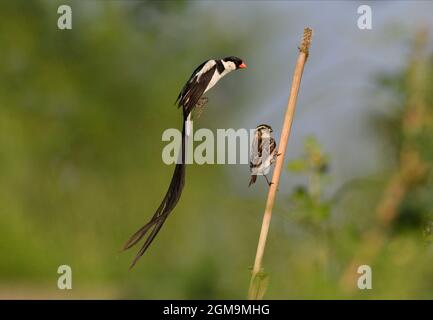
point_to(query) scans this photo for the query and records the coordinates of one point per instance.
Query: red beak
(242, 65)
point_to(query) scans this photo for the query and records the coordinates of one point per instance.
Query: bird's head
(264, 129)
(234, 63)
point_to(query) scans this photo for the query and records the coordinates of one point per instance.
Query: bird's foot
(267, 180)
(202, 102)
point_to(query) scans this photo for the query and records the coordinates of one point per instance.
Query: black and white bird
(204, 77)
(263, 152)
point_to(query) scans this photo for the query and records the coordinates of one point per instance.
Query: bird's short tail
(252, 180)
(167, 205)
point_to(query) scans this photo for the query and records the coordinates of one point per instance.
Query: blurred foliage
(307, 202)
(413, 125)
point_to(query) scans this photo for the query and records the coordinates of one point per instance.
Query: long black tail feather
(167, 205)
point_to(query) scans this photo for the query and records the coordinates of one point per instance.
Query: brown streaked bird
(263, 153)
(204, 77)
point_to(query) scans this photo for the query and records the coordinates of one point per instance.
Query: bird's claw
(200, 106)
(202, 101)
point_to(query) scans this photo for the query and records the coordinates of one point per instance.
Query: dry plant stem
(282, 146)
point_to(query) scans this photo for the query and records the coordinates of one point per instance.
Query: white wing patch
(205, 68)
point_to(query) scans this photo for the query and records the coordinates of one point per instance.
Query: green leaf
(259, 285)
(297, 166)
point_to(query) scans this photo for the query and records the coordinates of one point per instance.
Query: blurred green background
(82, 112)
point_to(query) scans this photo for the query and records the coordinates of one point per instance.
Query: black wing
(256, 151)
(190, 80)
(273, 149)
(194, 89)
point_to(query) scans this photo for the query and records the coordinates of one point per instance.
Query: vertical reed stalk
(255, 292)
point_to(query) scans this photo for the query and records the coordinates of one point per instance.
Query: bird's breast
(213, 81)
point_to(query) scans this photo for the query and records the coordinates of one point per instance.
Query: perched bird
(204, 77)
(263, 153)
